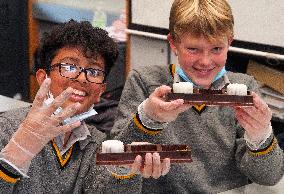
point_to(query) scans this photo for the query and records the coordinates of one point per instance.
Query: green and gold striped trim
(199, 108)
(266, 150)
(172, 69)
(8, 176)
(143, 128)
(122, 177)
(62, 161)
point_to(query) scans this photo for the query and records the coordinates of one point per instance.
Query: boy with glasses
(48, 148)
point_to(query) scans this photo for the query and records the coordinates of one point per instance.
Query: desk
(7, 103)
(258, 189)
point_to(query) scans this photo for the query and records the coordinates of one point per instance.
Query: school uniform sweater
(49, 172)
(221, 157)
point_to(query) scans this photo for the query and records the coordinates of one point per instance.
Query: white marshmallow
(237, 89)
(112, 146)
(183, 87)
(242, 90)
(231, 89)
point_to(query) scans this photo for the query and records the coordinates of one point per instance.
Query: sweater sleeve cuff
(148, 122)
(8, 173)
(272, 145)
(142, 128)
(11, 167)
(262, 143)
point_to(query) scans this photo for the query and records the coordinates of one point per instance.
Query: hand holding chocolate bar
(150, 160)
(255, 120)
(158, 109)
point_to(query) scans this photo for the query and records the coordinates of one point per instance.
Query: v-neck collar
(218, 84)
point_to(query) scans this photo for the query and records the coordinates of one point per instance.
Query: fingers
(59, 100)
(136, 166)
(156, 166)
(247, 115)
(258, 103)
(166, 165)
(261, 106)
(66, 113)
(258, 116)
(42, 93)
(153, 166)
(161, 91)
(255, 120)
(158, 109)
(168, 106)
(247, 123)
(67, 128)
(147, 171)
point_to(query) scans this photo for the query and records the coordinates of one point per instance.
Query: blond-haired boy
(231, 146)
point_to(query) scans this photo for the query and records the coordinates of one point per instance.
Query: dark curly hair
(93, 41)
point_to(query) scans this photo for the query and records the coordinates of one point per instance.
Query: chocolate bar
(176, 153)
(212, 98)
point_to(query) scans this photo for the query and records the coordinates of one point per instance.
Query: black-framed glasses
(73, 71)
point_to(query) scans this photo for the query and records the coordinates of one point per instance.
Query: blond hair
(208, 18)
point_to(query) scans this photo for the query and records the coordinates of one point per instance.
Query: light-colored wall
(146, 51)
(258, 21)
(151, 12)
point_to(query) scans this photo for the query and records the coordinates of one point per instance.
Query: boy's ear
(172, 43)
(40, 76)
(103, 89)
(230, 40)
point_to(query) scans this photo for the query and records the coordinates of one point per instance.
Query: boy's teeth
(203, 70)
(78, 92)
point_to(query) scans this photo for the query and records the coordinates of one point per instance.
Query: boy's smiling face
(200, 58)
(86, 93)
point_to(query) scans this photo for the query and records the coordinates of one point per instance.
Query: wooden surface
(33, 44)
(267, 75)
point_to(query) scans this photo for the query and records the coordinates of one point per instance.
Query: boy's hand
(153, 167)
(39, 127)
(255, 120)
(158, 109)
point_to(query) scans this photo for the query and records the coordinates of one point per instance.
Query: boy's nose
(82, 78)
(205, 59)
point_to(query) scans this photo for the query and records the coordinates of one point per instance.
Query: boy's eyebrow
(217, 43)
(74, 60)
(93, 62)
